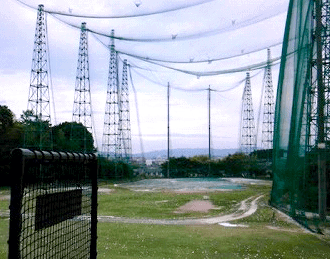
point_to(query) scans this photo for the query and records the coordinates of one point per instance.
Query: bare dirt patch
(105, 190)
(4, 197)
(196, 206)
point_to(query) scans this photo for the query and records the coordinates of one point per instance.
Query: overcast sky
(213, 30)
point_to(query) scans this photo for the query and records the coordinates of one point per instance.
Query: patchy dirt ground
(247, 208)
(196, 206)
(4, 197)
(105, 190)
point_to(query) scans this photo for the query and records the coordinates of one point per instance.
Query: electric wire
(184, 71)
(236, 85)
(184, 89)
(50, 73)
(166, 10)
(209, 60)
(233, 26)
(94, 128)
(137, 112)
(143, 68)
(190, 61)
(255, 66)
(260, 103)
(165, 86)
(174, 38)
(210, 73)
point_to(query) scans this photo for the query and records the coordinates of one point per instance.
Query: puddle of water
(182, 184)
(226, 224)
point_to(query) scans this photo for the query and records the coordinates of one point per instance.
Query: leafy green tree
(37, 133)
(6, 118)
(11, 137)
(73, 137)
(186, 167)
(200, 159)
(236, 164)
(110, 169)
(27, 117)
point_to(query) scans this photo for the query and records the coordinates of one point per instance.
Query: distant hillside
(188, 153)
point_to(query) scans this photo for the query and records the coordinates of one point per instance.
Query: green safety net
(295, 159)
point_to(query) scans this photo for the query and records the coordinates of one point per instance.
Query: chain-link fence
(53, 208)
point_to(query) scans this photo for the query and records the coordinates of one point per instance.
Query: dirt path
(246, 209)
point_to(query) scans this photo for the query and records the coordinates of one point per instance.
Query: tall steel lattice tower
(248, 136)
(124, 131)
(317, 105)
(81, 137)
(325, 38)
(318, 95)
(110, 140)
(268, 108)
(38, 133)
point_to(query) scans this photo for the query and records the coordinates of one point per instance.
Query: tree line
(29, 132)
(235, 165)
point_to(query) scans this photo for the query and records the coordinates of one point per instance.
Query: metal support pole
(320, 112)
(94, 173)
(15, 222)
(168, 130)
(209, 101)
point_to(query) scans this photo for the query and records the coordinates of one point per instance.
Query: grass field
(266, 235)
(154, 241)
(161, 205)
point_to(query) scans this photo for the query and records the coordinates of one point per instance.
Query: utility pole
(209, 103)
(38, 133)
(168, 130)
(209, 109)
(82, 106)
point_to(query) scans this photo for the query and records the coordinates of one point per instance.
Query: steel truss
(248, 135)
(82, 106)
(268, 108)
(38, 133)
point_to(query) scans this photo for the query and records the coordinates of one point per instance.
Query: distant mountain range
(186, 152)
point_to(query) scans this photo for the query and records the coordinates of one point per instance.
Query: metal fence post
(15, 223)
(94, 173)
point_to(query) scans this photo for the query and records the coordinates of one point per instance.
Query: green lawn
(4, 226)
(257, 240)
(214, 241)
(4, 203)
(154, 241)
(161, 205)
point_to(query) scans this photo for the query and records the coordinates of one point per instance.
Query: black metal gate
(53, 207)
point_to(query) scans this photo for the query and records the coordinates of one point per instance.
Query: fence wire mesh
(300, 187)
(53, 205)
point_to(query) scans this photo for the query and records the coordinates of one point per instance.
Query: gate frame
(18, 158)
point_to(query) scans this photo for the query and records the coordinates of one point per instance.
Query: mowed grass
(266, 235)
(213, 241)
(162, 205)
(117, 240)
(4, 235)
(4, 205)
(4, 199)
